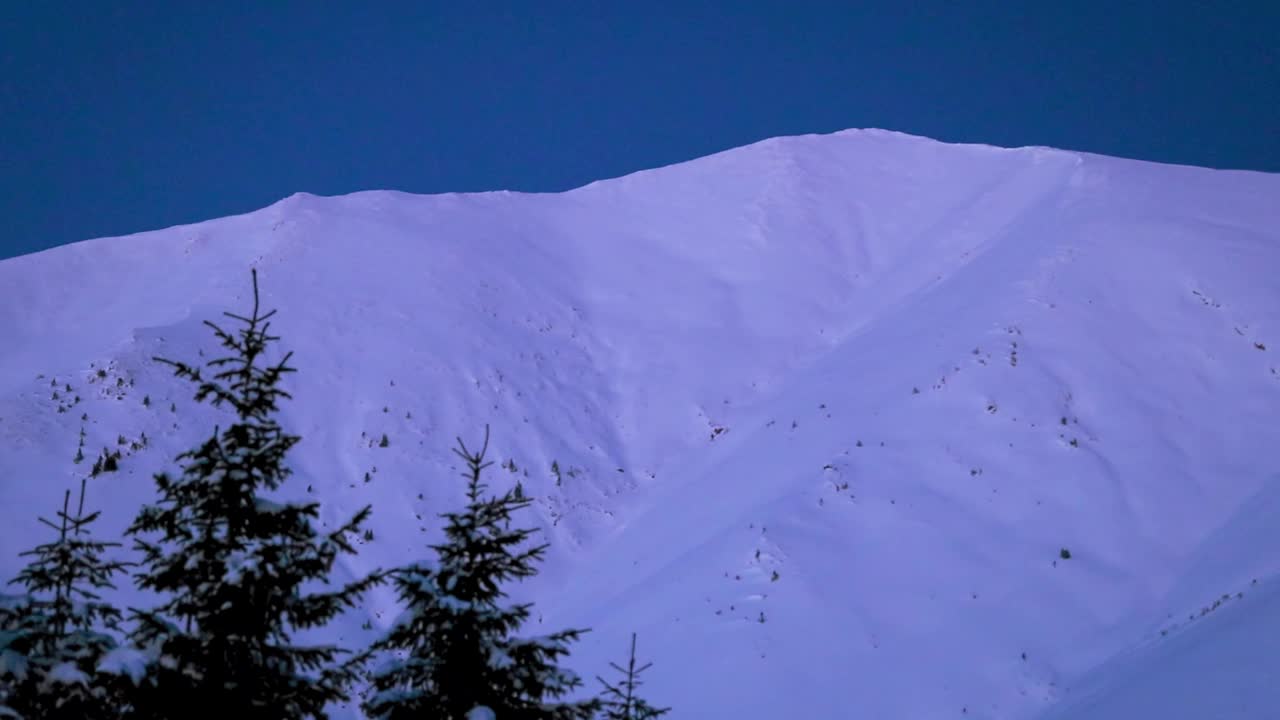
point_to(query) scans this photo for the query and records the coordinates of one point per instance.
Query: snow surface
(825, 410)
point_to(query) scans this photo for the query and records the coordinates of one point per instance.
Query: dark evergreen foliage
(453, 649)
(619, 700)
(231, 566)
(53, 639)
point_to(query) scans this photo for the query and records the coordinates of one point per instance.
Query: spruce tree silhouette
(619, 700)
(53, 639)
(453, 652)
(231, 564)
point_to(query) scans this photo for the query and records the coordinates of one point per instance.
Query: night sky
(119, 117)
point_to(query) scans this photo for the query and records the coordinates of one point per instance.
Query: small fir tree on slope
(55, 639)
(619, 700)
(451, 655)
(231, 565)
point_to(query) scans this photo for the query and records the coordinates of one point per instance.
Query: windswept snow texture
(824, 413)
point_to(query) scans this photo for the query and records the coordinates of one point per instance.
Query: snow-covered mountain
(819, 418)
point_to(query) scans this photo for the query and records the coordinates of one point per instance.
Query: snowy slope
(1219, 661)
(722, 358)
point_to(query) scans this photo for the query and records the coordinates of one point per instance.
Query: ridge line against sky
(124, 118)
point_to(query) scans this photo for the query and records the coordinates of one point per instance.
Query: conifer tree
(54, 639)
(619, 700)
(231, 565)
(452, 653)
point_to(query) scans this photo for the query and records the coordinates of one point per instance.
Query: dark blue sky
(118, 117)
